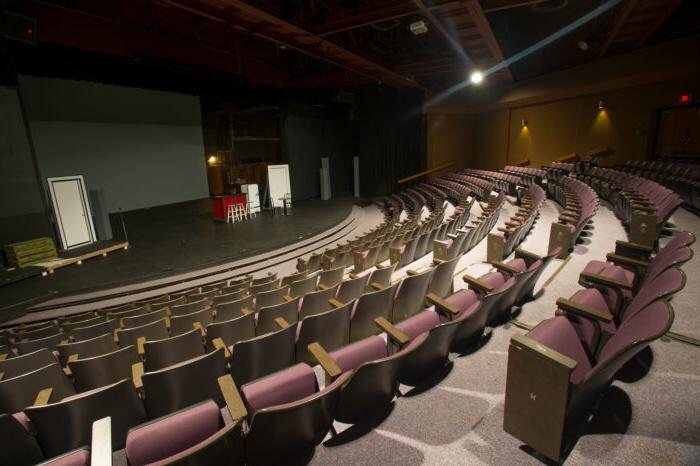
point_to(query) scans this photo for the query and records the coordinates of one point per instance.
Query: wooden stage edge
(51, 266)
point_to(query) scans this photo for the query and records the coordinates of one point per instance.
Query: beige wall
(449, 141)
(562, 113)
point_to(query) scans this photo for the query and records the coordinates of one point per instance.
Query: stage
(173, 243)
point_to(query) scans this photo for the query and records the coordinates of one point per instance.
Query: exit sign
(686, 98)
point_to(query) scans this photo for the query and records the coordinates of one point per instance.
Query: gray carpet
(459, 419)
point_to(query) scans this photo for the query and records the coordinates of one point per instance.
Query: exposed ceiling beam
(374, 16)
(617, 25)
(445, 33)
(272, 28)
(482, 23)
(663, 14)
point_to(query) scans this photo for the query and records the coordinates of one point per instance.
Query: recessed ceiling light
(418, 27)
(476, 77)
(583, 45)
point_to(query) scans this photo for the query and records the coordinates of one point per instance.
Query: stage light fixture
(476, 77)
(601, 104)
(523, 122)
(418, 28)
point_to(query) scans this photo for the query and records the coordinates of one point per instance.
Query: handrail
(573, 157)
(427, 172)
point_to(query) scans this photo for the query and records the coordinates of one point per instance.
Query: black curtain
(390, 138)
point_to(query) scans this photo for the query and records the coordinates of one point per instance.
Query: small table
(284, 205)
(222, 202)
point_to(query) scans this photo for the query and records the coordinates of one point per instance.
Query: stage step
(31, 252)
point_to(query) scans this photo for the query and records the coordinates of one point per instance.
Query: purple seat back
(559, 334)
(419, 323)
(352, 356)
(172, 434)
(285, 386)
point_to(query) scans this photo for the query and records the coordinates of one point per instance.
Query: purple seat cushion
(419, 323)
(172, 434)
(76, 458)
(599, 267)
(518, 264)
(559, 334)
(495, 279)
(352, 356)
(285, 386)
(463, 298)
(23, 421)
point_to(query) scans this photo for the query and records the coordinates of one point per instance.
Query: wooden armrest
(411, 273)
(3, 356)
(116, 335)
(168, 324)
(502, 266)
(324, 360)
(101, 442)
(198, 326)
(234, 402)
(288, 298)
(475, 282)
(505, 230)
(353, 276)
(73, 357)
(281, 322)
(452, 236)
(139, 345)
(376, 286)
(442, 305)
(542, 350)
(137, 371)
(583, 311)
(245, 311)
(335, 303)
(322, 287)
(394, 333)
(219, 343)
(2, 375)
(523, 254)
(631, 245)
(618, 259)
(606, 281)
(43, 397)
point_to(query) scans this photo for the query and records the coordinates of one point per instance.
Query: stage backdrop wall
(144, 148)
(23, 213)
(308, 137)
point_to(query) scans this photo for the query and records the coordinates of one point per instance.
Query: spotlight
(583, 45)
(476, 77)
(601, 105)
(523, 123)
(418, 28)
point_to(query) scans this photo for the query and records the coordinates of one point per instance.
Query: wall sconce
(601, 104)
(213, 160)
(523, 123)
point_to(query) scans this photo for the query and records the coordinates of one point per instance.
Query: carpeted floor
(457, 418)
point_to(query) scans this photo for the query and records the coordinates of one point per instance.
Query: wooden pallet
(51, 266)
(31, 252)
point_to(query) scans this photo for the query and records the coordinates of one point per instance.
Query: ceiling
(342, 44)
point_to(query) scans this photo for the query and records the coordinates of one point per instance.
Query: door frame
(57, 213)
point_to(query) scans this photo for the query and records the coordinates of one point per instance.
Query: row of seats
(503, 181)
(480, 186)
(682, 176)
(631, 194)
(528, 175)
(580, 204)
(558, 371)
(518, 226)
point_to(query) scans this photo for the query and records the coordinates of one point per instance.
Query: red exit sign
(686, 98)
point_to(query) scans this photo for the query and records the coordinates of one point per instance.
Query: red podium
(221, 203)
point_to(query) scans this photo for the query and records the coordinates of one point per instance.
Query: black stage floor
(168, 240)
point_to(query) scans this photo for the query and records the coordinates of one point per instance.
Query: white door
(70, 204)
